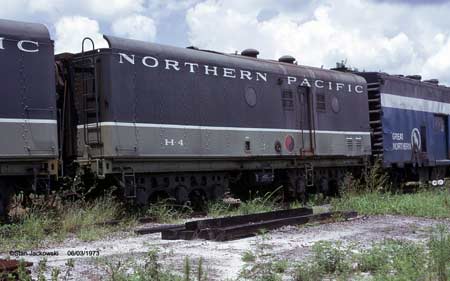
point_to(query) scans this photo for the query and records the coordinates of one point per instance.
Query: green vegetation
(426, 203)
(82, 219)
(261, 264)
(165, 212)
(268, 202)
(22, 273)
(389, 260)
(152, 269)
(372, 194)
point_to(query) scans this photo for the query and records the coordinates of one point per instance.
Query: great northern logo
(416, 140)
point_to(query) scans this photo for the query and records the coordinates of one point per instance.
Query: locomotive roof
(195, 55)
(404, 79)
(20, 30)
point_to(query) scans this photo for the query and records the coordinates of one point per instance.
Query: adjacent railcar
(409, 119)
(28, 114)
(181, 121)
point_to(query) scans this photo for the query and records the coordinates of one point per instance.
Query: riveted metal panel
(156, 84)
(28, 108)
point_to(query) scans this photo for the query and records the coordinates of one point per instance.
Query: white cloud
(98, 9)
(70, 32)
(111, 8)
(395, 38)
(135, 27)
(439, 64)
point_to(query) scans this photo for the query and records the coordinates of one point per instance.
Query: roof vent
(415, 77)
(432, 81)
(250, 53)
(287, 59)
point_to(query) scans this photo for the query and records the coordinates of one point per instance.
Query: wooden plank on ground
(156, 229)
(251, 229)
(236, 220)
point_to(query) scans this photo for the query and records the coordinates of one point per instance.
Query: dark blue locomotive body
(162, 109)
(409, 119)
(158, 100)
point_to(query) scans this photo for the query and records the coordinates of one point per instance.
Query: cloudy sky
(397, 36)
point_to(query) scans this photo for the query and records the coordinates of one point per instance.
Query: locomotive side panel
(414, 121)
(169, 102)
(28, 110)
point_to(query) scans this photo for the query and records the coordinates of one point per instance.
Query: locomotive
(187, 123)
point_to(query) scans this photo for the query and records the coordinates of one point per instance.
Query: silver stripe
(408, 103)
(37, 121)
(192, 127)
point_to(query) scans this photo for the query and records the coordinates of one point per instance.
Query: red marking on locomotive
(289, 143)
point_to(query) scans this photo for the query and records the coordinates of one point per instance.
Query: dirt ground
(223, 259)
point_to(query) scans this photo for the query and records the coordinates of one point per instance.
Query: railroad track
(236, 227)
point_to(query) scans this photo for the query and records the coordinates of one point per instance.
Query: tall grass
(427, 203)
(165, 212)
(268, 202)
(76, 216)
(82, 219)
(29, 233)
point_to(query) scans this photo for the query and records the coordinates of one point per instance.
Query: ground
(224, 259)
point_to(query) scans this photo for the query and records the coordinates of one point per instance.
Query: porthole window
(335, 106)
(250, 96)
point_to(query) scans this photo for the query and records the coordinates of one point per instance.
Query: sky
(396, 36)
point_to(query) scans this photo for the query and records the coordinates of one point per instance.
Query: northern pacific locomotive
(186, 123)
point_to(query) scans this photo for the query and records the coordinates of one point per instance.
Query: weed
(376, 179)
(423, 204)
(187, 269)
(373, 259)
(55, 274)
(248, 256)
(165, 212)
(80, 215)
(307, 272)
(266, 203)
(331, 257)
(22, 272)
(317, 199)
(261, 265)
(26, 234)
(439, 246)
(80, 218)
